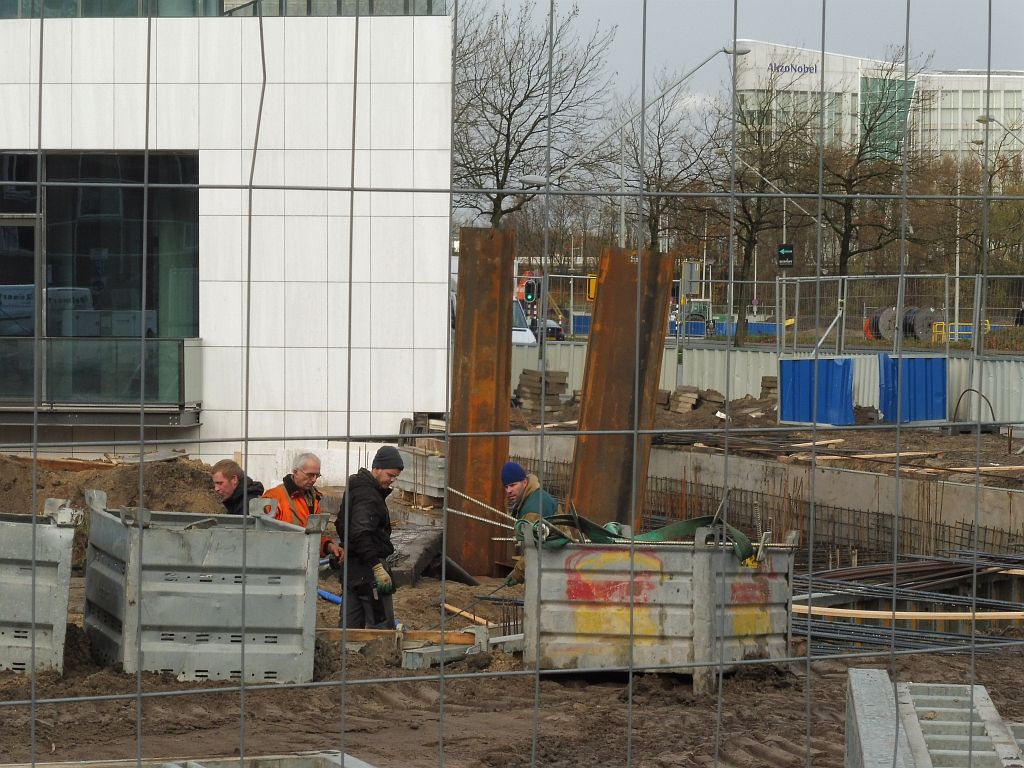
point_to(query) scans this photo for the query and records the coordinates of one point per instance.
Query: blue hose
(329, 596)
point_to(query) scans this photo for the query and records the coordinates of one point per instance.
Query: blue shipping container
(835, 391)
(753, 329)
(921, 388)
(581, 325)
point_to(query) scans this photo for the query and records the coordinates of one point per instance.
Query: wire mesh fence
(300, 278)
(842, 534)
(798, 314)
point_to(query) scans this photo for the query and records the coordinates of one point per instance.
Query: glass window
(95, 259)
(17, 183)
(117, 262)
(107, 8)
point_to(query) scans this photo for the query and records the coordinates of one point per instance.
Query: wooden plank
(66, 465)
(900, 454)
(857, 613)
(877, 456)
(833, 441)
(418, 635)
(986, 470)
(153, 456)
(466, 615)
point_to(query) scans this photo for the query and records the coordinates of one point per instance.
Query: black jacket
(369, 527)
(246, 490)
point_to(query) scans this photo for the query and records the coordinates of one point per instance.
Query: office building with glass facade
(136, 258)
(943, 105)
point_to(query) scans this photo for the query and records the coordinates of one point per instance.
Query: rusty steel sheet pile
(631, 306)
(481, 393)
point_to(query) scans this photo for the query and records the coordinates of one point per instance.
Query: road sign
(784, 254)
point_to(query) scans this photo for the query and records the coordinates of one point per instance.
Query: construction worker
(233, 487)
(526, 501)
(368, 584)
(524, 494)
(297, 498)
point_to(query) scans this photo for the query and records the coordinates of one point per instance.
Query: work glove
(511, 580)
(382, 580)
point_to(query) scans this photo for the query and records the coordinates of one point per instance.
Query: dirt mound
(180, 485)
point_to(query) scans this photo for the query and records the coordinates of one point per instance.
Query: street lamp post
(535, 180)
(986, 119)
(956, 261)
(1015, 134)
(785, 197)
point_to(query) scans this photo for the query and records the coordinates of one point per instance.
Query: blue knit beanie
(512, 473)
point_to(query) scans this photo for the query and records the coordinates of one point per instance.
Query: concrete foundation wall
(932, 500)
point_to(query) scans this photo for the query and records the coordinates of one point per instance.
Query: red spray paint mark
(753, 591)
(586, 581)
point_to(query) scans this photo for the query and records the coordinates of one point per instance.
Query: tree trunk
(496, 212)
(741, 292)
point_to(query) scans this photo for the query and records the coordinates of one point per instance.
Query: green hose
(681, 530)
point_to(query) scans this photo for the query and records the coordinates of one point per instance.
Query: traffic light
(530, 291)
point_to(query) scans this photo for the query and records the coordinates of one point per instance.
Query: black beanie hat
(388, 457)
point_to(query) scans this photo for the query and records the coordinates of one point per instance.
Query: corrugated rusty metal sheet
(677, 595)
(481, 393)
(605, 464)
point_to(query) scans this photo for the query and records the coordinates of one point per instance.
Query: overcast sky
(680, 33)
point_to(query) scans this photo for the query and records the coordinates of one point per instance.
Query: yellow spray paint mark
(751, 620)
(599, 581)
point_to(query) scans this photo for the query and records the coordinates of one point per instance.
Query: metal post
(754, 302)
(622, 186)
(796, 314)
(945, 303)
(704, 287)
(956, 282)
(572, 303)
(782, 335)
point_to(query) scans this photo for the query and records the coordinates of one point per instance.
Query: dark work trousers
(363, 611)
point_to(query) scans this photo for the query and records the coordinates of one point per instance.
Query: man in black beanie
(367, 581)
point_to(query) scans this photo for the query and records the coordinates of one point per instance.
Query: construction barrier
(187, 572)
(43, 578)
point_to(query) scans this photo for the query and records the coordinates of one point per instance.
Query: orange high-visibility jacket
(292, 508)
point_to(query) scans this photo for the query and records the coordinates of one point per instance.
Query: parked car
(553, 330)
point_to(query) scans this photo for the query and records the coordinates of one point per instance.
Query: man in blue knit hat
(526, 500)
(524, 494)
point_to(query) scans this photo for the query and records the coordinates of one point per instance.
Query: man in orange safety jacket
(297, 498)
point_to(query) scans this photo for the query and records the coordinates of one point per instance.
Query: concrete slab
(416, 546)
(940, 726)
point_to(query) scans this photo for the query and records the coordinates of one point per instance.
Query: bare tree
(669, 159)
(768, 140)
(507, 99)
(860, 172)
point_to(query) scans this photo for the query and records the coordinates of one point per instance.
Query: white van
(521, 333)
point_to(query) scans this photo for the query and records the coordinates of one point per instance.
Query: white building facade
(311, 307)
(944, 109)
